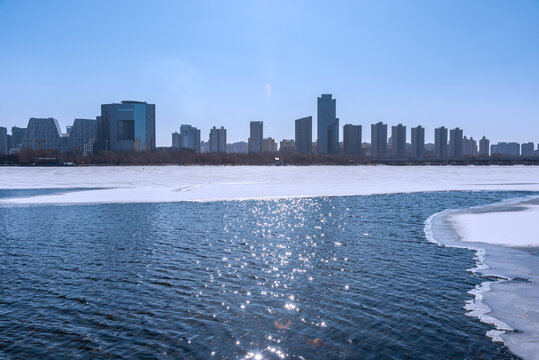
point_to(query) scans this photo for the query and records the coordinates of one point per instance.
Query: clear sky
(470, 63)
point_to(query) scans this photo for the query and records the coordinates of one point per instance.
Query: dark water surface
(322, 278)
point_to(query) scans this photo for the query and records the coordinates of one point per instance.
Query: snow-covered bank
(207, 183)
(505, 237)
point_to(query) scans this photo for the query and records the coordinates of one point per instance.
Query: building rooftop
(133, 102)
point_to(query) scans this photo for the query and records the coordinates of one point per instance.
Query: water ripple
(344, 278)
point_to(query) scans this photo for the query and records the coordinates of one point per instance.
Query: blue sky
(472, 64)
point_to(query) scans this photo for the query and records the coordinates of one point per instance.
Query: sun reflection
(253, 355)
(291, 306)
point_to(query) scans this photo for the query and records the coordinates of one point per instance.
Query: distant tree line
(166, 156)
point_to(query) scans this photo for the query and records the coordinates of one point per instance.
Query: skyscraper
(42, 134)
(129, 126)
(352, 139)
(483, 146)
(418, 143)
(218, 140)
(256, 136)
(304, 135)
(3, 141)
(379, 140)
(398, 141)
(440, 143)
(190, 138)
(328, 125)
(455, 143)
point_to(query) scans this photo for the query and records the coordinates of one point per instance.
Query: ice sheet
(207, 183)
(505, 238)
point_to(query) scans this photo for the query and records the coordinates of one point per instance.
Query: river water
(308, 278)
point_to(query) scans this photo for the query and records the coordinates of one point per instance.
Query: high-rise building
(379, 140)
(190, 138)
(483, 146)
(418, 143)
(42, 134)
(455, 143)
(17, 136)
(287, 146)
(527, 149)
(304, 135)
(256, 136)
(82, 135)
(4, 149)
(176, 140)
(218, 140)
(269, 145)
(398, 141)
(469, 147)
(440, 143)
(328, 125)
(129, 126)
(352, 139)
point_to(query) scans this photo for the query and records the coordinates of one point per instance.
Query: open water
(309, 278)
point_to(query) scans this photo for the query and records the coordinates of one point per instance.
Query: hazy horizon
(462, 64)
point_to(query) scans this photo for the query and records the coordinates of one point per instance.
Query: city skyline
(199, 65)
(130, 126)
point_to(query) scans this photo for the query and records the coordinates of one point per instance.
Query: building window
(126, 130)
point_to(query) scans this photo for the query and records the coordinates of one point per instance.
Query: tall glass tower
(328, 125)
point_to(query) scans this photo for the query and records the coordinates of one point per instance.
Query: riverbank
(163, 157)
